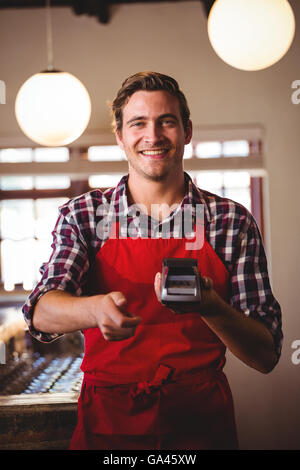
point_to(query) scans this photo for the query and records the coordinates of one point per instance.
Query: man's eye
(137, 124)
(168, 122)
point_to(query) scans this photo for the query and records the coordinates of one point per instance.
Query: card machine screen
(180, 281)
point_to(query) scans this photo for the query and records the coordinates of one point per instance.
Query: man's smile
(154, 153)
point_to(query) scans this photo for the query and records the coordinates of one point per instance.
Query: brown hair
(148, 81)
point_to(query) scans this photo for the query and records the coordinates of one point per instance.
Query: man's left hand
(205, 307)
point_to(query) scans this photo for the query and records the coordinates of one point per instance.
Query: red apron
(163, 388)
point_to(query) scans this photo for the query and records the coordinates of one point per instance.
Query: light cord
(49, 37)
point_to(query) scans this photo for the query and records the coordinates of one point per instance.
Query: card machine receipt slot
(180, 281)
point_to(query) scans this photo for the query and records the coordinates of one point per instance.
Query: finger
(157, 286)
(118, 298)
(117, 301)
(174, 309)
(117, 334)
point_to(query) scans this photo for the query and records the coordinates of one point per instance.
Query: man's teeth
(153, 152)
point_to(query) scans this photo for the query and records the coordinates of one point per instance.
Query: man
(153, 377)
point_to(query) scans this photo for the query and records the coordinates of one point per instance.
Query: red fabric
(164, 387)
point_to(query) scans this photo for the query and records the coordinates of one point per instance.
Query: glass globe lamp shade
(53, 108)
(251, 34)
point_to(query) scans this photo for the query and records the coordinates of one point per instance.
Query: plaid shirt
(229, 228)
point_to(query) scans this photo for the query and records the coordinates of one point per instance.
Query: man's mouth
(155, 153)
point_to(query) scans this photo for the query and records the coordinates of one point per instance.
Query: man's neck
(159, 198)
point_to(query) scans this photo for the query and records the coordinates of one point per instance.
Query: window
(233, 185)
(25, 227)
(230, 168)
(57, 154)
(106, 153)
(28, 212)
(104, 181)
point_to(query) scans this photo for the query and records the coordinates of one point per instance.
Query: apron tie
(162, 375)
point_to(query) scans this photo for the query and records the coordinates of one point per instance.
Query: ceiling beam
(33, 3)
(97, 8)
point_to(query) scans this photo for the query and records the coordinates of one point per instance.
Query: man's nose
(153, 133)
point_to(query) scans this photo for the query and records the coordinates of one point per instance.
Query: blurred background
(245, 146)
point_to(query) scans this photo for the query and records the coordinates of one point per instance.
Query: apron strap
(163, 376)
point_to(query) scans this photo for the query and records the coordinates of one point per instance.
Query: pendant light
(251, 34)
(52, 108)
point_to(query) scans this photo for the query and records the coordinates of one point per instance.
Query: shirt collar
(193, 196)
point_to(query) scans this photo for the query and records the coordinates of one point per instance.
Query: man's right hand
(60, 312)
(114, 321)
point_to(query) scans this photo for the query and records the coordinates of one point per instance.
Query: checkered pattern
(229, 228)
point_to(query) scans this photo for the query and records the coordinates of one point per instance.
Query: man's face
(153, 136)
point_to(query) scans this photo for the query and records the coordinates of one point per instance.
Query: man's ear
(118, 135)
(188, 132)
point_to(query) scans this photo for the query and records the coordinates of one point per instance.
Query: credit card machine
(180, 281)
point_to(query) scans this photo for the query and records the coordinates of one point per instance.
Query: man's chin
(156, 173)
(156, 177)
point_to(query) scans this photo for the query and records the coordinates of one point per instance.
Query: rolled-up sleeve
(250, 284)
(66, 269)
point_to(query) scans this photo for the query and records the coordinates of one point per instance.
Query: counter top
(38, 399)
(37, 421)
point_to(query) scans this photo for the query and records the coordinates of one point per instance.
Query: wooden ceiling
(97, 8)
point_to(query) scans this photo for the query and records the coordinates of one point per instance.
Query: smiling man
(153, 129)
(153, 378)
